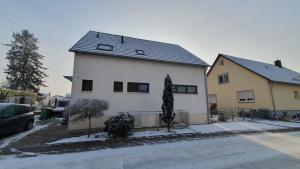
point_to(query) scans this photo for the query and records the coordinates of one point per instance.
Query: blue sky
(261, 30)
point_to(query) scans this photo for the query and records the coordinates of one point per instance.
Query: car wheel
(29, 125)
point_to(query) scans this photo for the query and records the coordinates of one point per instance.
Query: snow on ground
(204, 128)
(6, 141)
(84, 138)
(267, 151)
(279, 123)
(233, 126)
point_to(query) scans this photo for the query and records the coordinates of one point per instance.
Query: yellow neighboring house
(241, 83)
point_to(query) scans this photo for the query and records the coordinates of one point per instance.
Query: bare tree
(87, 109)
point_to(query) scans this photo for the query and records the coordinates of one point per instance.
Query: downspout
(206, 92)
(273, 101)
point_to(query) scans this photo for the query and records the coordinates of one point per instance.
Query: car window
(22, 109)
(9, 111)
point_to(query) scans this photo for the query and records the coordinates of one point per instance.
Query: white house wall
(104, 70)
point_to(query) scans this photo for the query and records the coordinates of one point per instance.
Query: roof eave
(128, 57)
(281, 82)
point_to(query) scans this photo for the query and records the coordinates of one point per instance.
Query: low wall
(142, 120)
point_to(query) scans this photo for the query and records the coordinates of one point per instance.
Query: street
(267, 151)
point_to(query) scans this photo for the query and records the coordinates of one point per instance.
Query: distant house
(241, 83)
(130, 72)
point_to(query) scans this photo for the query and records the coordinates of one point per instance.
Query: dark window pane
(137, 87)
(118, 86)
(226, 79)
(139, 52)
(87, 85)
(143, 87)
(105, 47)
(192, 89)
(20, 109)
(131, 87)
(181, 89)
(220, 79)
(9, 111)
(187, 89)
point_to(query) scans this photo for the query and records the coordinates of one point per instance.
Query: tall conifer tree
(168, 103)
(25, 70)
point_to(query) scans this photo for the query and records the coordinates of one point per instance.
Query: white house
(130, 72)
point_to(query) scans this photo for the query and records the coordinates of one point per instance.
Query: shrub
(222, 117)
(119, 125)
(46, 113)
(213, 109)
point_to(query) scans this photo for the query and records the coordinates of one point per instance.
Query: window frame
(82, 85)
(186, 89)
(221, 62)
(223, 75)
(114, 87)
(138, 91)
(210, 96)
(296, 95)
(111, 47)
(13, 107)
(246, 101)
(21, 109)
(140, 52)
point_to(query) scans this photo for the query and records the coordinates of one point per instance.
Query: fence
(143, 119)
(236, 114)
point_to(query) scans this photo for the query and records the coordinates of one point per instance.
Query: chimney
(122, 39)
(278, 63)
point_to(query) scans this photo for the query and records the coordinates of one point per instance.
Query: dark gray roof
(70, 78)
(269, 71)
(152, 50)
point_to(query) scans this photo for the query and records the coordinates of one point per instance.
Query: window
(224, 78)
(20, 109)
(221, 62)
(296, 95)
(246, 96)
(138, 87)
(87, 85)
(139, 52)
(105, 47)
(118, 86)
(187, 89)
(9, 111)
(212, 99)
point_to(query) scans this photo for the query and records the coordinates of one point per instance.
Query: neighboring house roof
(122, 46)
(268, 71)
(69, 78)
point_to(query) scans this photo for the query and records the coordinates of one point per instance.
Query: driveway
(265, 150)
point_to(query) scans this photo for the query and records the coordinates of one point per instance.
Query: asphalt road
(256, 151)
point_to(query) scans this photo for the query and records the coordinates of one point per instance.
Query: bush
(222, 117)
(120, 125)
(46, 113)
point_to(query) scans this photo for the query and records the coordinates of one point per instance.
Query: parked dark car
(15, 117)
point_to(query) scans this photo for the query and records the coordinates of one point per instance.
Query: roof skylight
(296, 79)
(139, 52)
(105, 47)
